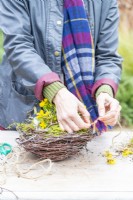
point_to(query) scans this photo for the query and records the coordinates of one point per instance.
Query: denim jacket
(32, 42)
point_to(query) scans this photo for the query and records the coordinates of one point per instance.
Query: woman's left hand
(109, 109)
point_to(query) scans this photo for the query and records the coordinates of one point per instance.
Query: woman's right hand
(68, 108)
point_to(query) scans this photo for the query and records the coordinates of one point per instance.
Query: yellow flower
(46, 114)
(108, 155)
(40, 114)
(43, 103)
(43, 125)
(127, 152)
(111, 161)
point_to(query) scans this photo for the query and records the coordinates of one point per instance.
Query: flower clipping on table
(128, 149)
(124, 150)
(109, 158)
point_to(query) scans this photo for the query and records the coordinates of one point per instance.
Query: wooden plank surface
(85, 176)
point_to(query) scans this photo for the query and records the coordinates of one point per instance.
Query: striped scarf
(78, 56)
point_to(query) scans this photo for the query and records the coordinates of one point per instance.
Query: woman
(64, 50)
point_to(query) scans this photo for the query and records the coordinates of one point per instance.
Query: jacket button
(56, 53)
(59, 22)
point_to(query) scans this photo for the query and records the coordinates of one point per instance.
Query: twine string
(14, 161)
(119, 133)
(2, 190)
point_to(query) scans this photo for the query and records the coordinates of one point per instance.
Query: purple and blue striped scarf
(78, 56)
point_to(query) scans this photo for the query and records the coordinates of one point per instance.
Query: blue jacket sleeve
(108, 61)
(19, 43)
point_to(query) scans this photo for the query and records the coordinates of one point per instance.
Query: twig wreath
(42, 135)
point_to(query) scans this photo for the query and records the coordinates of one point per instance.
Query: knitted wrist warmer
(104, 88)
(51, 90)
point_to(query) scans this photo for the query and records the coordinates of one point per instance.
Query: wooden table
(83, 177)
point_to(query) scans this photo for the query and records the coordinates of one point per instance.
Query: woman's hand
(109, 109)
(68, 108)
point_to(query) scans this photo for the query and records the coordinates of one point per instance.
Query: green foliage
(125, 97)
(1, 46)
(44, 123)
(125, 92)
(126, 51)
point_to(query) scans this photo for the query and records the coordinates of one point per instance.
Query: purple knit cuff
(102, 82)
(44, 81)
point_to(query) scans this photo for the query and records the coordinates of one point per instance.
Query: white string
(15, 161)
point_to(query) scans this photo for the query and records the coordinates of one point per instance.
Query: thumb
(101, 106)
(85, 114)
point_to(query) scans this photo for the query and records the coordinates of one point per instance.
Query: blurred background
(125, 92)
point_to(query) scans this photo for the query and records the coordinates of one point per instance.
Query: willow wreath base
(55, 148)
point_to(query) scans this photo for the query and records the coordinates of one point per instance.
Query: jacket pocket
(20, 104)
(22, 93)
